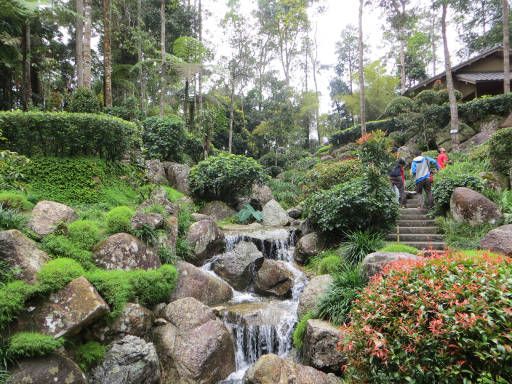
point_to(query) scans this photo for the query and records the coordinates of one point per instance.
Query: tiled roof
(475, 77)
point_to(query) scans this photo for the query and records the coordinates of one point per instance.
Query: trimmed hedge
(67, 134)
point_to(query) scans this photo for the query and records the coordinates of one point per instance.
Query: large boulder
(218, 210)
(194, 347)
(274, 279)
(155, 172)
(472, 207)
(272, 369)
(47, 215)
(320, 346)
(65, 312)
(206, 240)
(177, 175)
(260, 195)
(129, 360)
(295, 212)
(148, 220)
(124, 251)
(169, 237)
(46, 370)
(274, 215)
(201, 285)
(237, 267)
(134, 320)
(308, 245)
(499, 240)
(312, 293)
(375, 262)
(21, 255)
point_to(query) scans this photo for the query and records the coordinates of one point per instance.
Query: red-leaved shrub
(441, 320)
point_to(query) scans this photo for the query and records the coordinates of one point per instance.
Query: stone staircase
(414, 228)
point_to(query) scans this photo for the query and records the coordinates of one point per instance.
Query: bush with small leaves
(85, 101)
(55, 274)
(164, 137)
(398, 106)
(84, 233)
(61, 246)
(501, 150)
(119, 219)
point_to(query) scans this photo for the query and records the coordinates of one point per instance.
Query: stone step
(416, 223)
(408, 230)
(421, 211)
(413, 216)
(413, 204)
(437, 245)
(421, 237)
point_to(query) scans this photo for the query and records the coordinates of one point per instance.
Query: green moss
(155, 208)
(12, 300)
(14, 200)
(119, 219)
(326, 262)
(61, 246)
(84, 233)
(90, 354)
(300, 330)
(55, 274)
(397, 247)
(31, 344)
(172, 194)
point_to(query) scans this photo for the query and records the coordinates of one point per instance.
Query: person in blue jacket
(420, 169)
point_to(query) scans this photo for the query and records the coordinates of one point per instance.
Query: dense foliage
(444, 320)
(164, 138)
(501, 150)
(327, 174)
(67, 134)
(83, 100)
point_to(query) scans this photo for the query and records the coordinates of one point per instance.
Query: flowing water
(262, 325)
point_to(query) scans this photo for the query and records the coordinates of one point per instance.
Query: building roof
(475, 77)
(466, 63)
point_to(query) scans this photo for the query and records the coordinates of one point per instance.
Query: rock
(47, 215)
(195, 347)
(495, 180)
(308, 245)
(206, 240)
(305, 227)
(260, 195)
(319, 350)
(155, 172)
(196, 283)
(159, 197)
(312, 293)
(237, 267)
(170, 236)
(21, 255)
(130, 360)
(272, 369)
(274, 278)
(135, 320)
(499, 240)
(65, 312)
(327, 158)
(274, 215)
(295, 212)
(151, 220)
(199, 216)
(159, 310)
(218, 210)
(177, 175)
(472, 207)
(374, 262)
(48, 369)
(124, 251)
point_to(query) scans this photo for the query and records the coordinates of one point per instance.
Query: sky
(338, 14)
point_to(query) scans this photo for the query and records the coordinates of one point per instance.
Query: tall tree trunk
(87, 58)
(231, 115)
(27, 73)
(200, 77)
(140, 58)
(107, 55)
(79, 41)
(506, 47)
(454, 113)
(361, 72)
(314, 137)
(403, 86)
(162, 52)
(185, 103)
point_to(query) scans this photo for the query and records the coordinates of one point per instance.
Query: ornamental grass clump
(442, 320)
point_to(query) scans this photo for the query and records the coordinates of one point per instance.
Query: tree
(86, 46)
(162, 55)
(79, 42)
(347, 53)
(107, 54)
(506, 47)
(362, 99)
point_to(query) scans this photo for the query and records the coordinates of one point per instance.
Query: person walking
(397, 178)
(420, 169)
(442, 158)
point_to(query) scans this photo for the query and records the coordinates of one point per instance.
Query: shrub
(443, 96)
(501, 152)
(225, 176)
(84, 233)
(288, 189)
(12, 300)
(61, 246)
(300, 330)
(359, 244)
(11, 219)
(119, 219)
(164, 138)
(375, 149)
(327, 262)
(11, 170)
(67, 134)
(360, 204)
(440, 320)
(84, 100)
(446, 183)
(32, 344)
(326, 175)
(427, 97)
(335, 305)
(55, 274)
(90, 354)
(398, 106)
(399, 247)
(14, 200)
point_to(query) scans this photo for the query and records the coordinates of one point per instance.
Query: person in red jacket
(442, 158)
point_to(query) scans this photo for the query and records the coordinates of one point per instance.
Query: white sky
(338, 14)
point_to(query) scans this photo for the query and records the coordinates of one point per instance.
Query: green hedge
(67, 134)
(352, 134)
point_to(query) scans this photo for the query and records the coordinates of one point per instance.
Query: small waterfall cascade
(262, 325)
